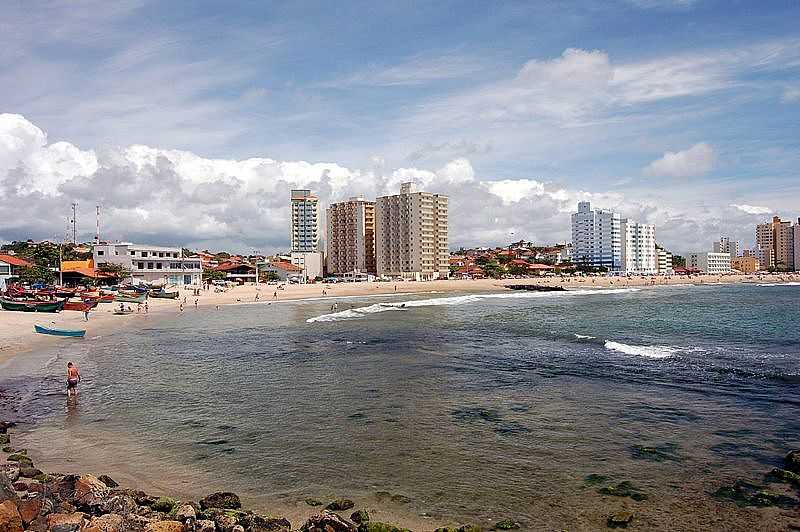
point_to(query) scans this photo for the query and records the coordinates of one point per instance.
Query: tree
(118, 271)
(518, 269)
(35, 274)
(213, 275)
(678, 261)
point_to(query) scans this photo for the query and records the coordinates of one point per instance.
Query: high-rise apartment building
(709, 262)
(411, 235)
(664, 261)
(796, 235)
(350, 237)
(602, 238)
(775, 244)
(597, 238)
(726, 245)
(305, 221)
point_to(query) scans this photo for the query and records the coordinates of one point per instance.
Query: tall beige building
(411, 235)
(351, 237)
(775, 243)
(765, 246)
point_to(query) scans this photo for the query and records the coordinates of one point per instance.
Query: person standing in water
(73, 378)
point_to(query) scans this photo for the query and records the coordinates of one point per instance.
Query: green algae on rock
(619, 519)
(623, 489)
(506, 524)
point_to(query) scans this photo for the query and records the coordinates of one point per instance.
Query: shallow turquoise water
(469, 407)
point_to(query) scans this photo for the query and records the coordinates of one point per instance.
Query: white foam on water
(584, 337)
(787, 283)
(649, 351)
(362, 312)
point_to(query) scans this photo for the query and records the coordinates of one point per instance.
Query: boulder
(238, 528)
(29, 509)
(64, 521)
(222, 499)
(359, 516)
(120, 504)
(340, 505)
(792, 461)
(620, 519)
(135, 523)
(506, 524)
(372, 526)
(63, 487)
(225, 522)
(10, 520)
(5, 425)
(313, 502)
(90, 491)
(261, 523)
(6, 488)
(185, 513)
(327, 522)
(164, 504)
(27, 471)
(108, 481)
(20, 457)
(462, 528)
(165, 526)
(11, 472)
(5, 439)
(204, 525)
(106, 523)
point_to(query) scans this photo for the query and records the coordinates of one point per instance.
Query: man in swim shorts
(73, 378)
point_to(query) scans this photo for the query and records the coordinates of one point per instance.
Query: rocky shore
(32, 500)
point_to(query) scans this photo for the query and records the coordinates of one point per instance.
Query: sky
(189, 122)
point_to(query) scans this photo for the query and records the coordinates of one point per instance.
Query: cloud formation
(696, 161)
(752, 209)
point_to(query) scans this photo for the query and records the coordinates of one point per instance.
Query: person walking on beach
(181, 307)
(195, 303)
(86, 315)
(275, 295)
(146, 307)
(73, 378)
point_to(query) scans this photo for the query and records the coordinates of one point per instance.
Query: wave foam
(787, 283)
(649, 351)
(362, 312)
(584, 337)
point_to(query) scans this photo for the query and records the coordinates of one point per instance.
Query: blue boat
(75, 333)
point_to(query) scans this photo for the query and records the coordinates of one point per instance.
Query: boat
(80, 306)
(128, 298)
(74, 333)
(120, 312)
(161, 294)
(31, 306)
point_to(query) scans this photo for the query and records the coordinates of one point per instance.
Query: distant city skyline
(190, 123)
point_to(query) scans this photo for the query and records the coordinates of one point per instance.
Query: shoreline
(18, 336)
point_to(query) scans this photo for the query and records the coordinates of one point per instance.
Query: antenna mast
(74, 226)
(97, 234)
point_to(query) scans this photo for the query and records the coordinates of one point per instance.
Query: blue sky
(672, 111)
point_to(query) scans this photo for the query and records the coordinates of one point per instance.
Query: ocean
(447, 408)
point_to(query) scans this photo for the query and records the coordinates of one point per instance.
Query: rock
(744, 493)
(8, 449)
(462, 528)
(204, 525)
(165, 526)
(29, 509)
(327, 522)
(90, 491)
(379, 527)
(108, 481)
(65, 522)
(313, 502)
(359, 516)
(11, 472)
(6, 488)
(594, 479)
(164, 504)
(340, 505)
(63, 487)
(5, 439)
(106, 523)
(186, 513)
(506, 524)
(262, 523)
(225, 522)
(620, 519)
(20, 457)
(5, 425)
(221, 499)
(238, 528)
(135, 523)
(120, 504)
(30, 472)
(792, 461)
(10, 520)
(623, 489)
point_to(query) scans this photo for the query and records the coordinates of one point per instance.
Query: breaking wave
(361, 312)
(649, 351)
(787, 283)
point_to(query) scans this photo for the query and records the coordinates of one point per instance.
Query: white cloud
(696, 161)
(791, 95)
(752, 209)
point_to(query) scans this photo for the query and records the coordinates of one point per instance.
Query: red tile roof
(15, 261)
(286, 266)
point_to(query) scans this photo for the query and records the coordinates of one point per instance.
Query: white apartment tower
(351, 237)
(725, 245)
(639, 248)
(709, 262)
(305, 222)
(597, 237)
(411, 235)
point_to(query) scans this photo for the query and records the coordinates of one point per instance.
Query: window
(159, 265)
(140, 265)
(149, 265)
(144, 253)
(5, 269)
(100, 252)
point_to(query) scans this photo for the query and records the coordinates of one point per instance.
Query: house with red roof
(9, 266)
(284, 270)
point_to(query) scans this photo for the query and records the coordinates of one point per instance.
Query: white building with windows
(306, 252)
(726, 245)
(597, 238)
(709, 262)
(664, 260)
(151, 263)
(639, 249)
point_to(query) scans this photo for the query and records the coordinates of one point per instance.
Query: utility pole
(74, 223)
(97, 234)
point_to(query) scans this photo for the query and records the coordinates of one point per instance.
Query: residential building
(305, 221)
(796, 238)
(597, 238)
(238, 272)
(639, 247)
(285, 271)
(411, 235)
(775, 242)
(310, 263)
(664, 261)
(725, 245)
(745, 264)
(9, 266)
(350, 237)
(151, 263)
(709, 262)
(765, 246)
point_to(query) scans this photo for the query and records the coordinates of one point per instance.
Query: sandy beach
(17, 334)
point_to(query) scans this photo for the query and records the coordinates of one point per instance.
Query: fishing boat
(74, 333)
(130, 298)
(123, 312)
(80, 306)
(31, 305)
(162, 294)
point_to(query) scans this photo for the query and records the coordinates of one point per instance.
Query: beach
(438, 404)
